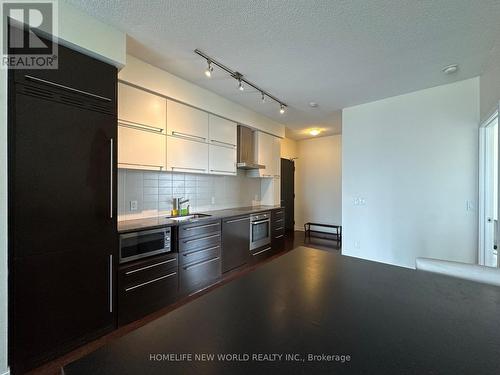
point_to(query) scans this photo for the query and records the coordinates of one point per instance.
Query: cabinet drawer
(144, 298)
(260, 253)
(199, 275)
(143, 271)
(206, 252)
(199, 242)
(199, 228)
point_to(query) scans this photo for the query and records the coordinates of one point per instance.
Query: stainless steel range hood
(246, 149)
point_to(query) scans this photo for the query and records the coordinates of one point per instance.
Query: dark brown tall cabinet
(62, 207)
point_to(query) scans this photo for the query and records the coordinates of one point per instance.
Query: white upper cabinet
(267, 151)
(186, 121)
(277, 156)
(184, 155)
(139, 149)
(222, 160)
(222, 132)
(141, 108)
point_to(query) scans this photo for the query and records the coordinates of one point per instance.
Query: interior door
(288, 192)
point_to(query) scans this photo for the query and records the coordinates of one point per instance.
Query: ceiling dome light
(314, 132)
(209, 70)
(282, 109)
(240, 85)
(449, 69)
(313, 104)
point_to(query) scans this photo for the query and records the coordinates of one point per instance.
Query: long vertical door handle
(110, 283)
(111, 178)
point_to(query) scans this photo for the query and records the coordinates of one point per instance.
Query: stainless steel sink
(188, 217)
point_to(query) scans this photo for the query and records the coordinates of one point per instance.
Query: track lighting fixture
(209, 70)
(240, 78)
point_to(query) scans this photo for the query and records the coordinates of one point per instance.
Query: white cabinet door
(222, 131)
(141, 108)
(139, 149)
(184, 155)
(222, 160)
(277, 156)
(186, 121)
(264, 150)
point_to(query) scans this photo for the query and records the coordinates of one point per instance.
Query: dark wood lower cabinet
(278, 230)
(235, 242)
(146, 286)
(200, 256)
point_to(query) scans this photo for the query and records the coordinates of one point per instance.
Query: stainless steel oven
(145, 243)
(260, 230)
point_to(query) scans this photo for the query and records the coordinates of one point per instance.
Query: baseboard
(298, 228)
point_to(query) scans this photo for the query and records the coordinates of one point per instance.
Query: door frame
(482, 186)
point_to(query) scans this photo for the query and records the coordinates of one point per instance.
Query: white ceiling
(334, 52)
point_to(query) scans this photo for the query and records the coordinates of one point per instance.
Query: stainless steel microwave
(137, 245)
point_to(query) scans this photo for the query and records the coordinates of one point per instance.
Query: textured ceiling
(337, 53)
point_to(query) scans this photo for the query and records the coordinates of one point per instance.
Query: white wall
(318, 176)
(148, 76)
(79, 31)
(490, 84)
(414, 160)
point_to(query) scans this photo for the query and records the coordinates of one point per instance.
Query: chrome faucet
(177, 202)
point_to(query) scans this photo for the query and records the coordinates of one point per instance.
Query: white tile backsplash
(154, 191)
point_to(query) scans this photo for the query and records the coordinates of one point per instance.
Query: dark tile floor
(292, 240)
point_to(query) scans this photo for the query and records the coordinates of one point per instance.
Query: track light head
(282, 108)
(240, 85)
(209, 70)
(263, 97)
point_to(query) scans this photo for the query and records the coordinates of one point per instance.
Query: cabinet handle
(262, 251)
(110, 283)
(190, 169)
(111, 162)
(223, 143)
(267, 175)
(260, 222)
(221, 171)
(202, 238)
(144, 165)
(150, 266)
(49, 83)
(135, 125)
(279, 236)
(278, 220)
(188, 135)
(201, 226)
(280, 228)
(150, 281)
(199, 251)
(236, 220)
(201, 263)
